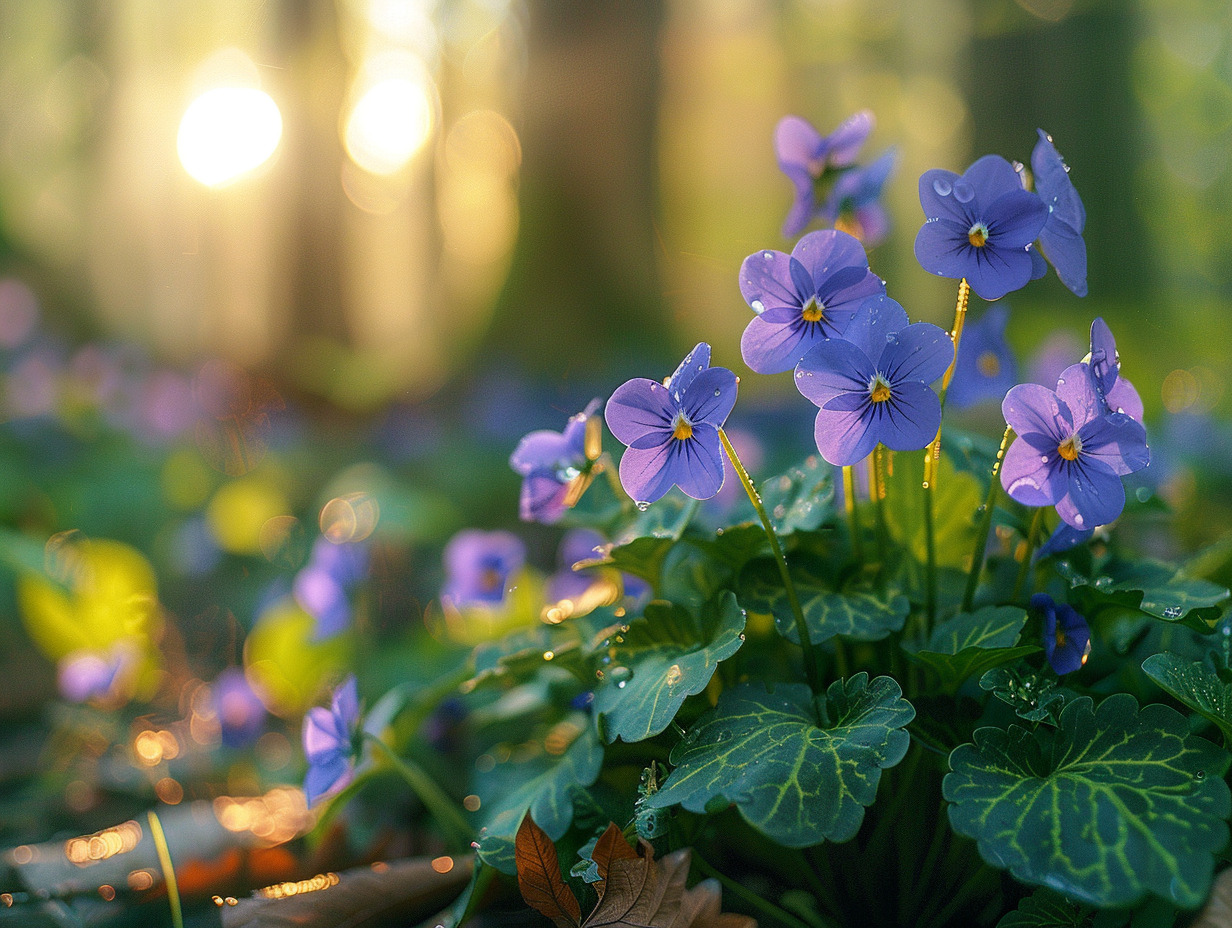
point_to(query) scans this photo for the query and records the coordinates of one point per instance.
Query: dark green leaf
(665, 658)
(975, 642)
(859, 614)
(797, 778)
(1033, 693)
(544, 785)
(691, 577)
(1114, 803)
(1155, 589)
(1047, 909)
(641, 547)
(1195, 686)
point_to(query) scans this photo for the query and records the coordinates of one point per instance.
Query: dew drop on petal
(642, 505)
(1043, 459)
(768, 255)
(964, 192)
(942, 186)
(758, 307)
(1078, 519)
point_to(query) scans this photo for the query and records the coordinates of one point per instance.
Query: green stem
(1033, 533)
(981, 532)
(164, 861)
(876, 475)
(932, 457)
(439, 805)
(853, 518)
(806, 642)
(764, 905)
(819, 884)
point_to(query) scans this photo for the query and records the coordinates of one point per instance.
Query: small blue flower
(479, 565)
(331, 742)
(320, 586)
(549, 463)
(854, 204)
(1061, 238)
(672, 430)
(986, 368)
(1067, 637)
(241, 714)
(805, 156)
(1104, 363)
(979, 226)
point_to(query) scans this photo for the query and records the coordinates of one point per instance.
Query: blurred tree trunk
(583, 292)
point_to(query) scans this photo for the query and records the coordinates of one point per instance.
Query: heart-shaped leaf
(641, 547)
(544, 785)
(1114, 803)
(660, 664)
(1195, 686)
(971, 643)
(797, 778)
(859, 614)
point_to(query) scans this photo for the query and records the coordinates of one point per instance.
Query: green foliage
(799, 770)
(1195, 686)
(640, 548)
(1047, 909)
(1033, 693)
(858, 613)
(1114, 803)
(972, 643)
(664, 658)
(1152, 588)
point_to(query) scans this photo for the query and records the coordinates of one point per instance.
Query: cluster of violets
(875, 377)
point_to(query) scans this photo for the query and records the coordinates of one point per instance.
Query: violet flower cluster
(331, 742)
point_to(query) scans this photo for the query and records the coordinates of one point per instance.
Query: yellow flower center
(812, 311)
(977, 235)
(1070, 448)
(847, 222)
(879, 390)
(988, 364)
(682, 428)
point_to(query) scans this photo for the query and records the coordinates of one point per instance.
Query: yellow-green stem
(806, 641)
(876, 474)
(853, 518)
(981, 532)
(439, 805)
(1033, 533)
(164, 861)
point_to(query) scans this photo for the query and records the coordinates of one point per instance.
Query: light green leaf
(797, 778)
(859, 614)
(956, 498)
(655, 671)
(544, 785)
(802, 499)
(1195, 686)
(1114, 803)
(971, 643)
(641, 547)
(1156, 589)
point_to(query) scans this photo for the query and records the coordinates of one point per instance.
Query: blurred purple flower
(872, 385)
(479, 565)
(672, 430)
(19, 312)
(854, 204)
(1058, 351)
(320, 587)
(979, 226)
(241, 714)
(1061, 238)
(94, 676)
(548, 462)
(331, 742)
(804, 155)
(1069, 452)
(986, 368)
(1067, 637)
(803, 297)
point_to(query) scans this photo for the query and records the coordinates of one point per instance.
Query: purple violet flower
(549, 462)
(478, 566)
(672, 429)
(872, 385)
(1069, 452)
(854, 204)
(1063, 538)
(804, 155)
(803, 297)
(979, 226)
(1067, 637)
(320, 587)
(1061, 238)
(331, 739)
(986, 368)
(94, 676)
(241, 714)
(1104, 362)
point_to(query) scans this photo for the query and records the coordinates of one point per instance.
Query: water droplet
(654, 387)
(926, 484)
(599, 675)
(673, 675)
(1172, 612)
(621, 684)
(642, 505)
(742, 636)
(1043, 458)
(718, 392)
(964, 192)
(1102, 583)
(768, 255)
(1199, 774)
(621, 675)
(1142, 493)
(942, 186)
(475, 845)
(1060, 381)
(758, 307)
(1078, 519)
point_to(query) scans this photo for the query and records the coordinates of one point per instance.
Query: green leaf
(1047, 909)
(956, 498)
(691, 577)
(1114, 803)
(1156, 589)
(655, 671)
(802, 499)
(641, 547)
(858, 614)
(797, 778)
(975, 642)
(1033, 693)
(1195, 686)
(544, 785)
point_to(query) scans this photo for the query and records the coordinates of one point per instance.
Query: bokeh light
(393, 114)
(228, 132)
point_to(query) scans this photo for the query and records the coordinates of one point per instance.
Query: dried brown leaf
(610, 846)
(539, 877)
